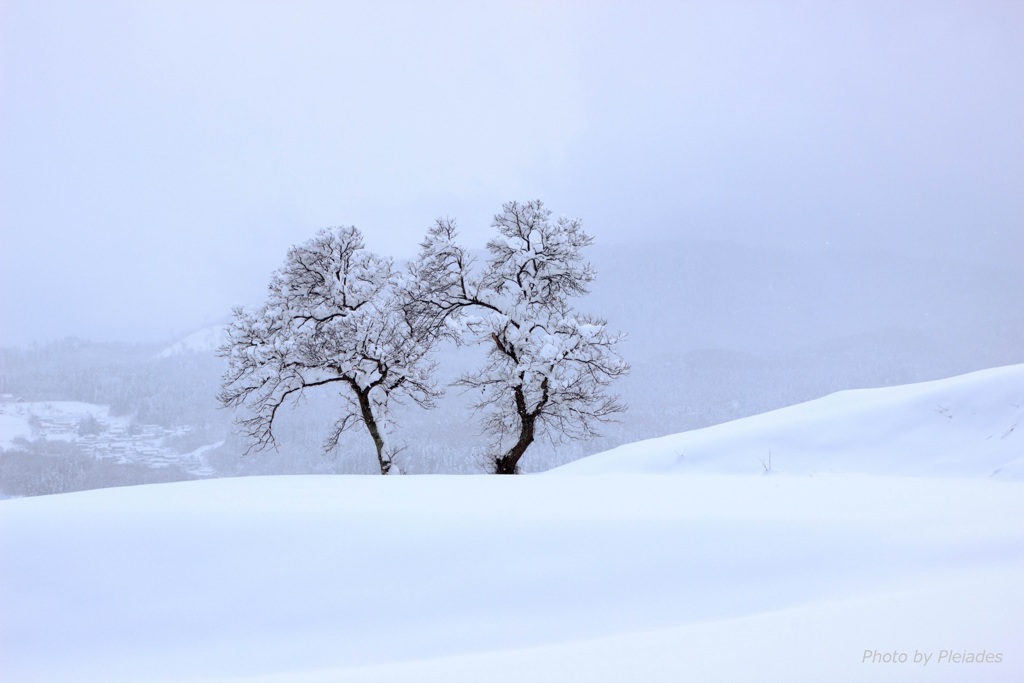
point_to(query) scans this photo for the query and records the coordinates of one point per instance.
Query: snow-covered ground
(850, 558)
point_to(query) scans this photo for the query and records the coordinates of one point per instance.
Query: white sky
(158, 158)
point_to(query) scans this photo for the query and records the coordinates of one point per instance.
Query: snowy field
(886, 544)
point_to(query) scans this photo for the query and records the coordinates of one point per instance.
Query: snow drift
(971, 425)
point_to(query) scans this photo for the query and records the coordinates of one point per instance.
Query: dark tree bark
(371, 425)
(509, 462)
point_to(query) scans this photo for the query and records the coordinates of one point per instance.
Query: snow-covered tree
(548, 367)
(335, 315)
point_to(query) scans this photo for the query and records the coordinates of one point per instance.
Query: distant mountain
(705, 295)
(206, 340)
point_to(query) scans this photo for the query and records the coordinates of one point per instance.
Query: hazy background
(158, 158)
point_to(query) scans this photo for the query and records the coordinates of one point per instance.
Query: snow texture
(970, 425)
(721, 574)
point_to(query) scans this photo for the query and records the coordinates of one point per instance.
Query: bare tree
(548, 367)
(335, 315)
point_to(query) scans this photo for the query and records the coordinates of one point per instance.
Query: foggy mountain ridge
(205, 340)
(725, 296)
(759, 300)
(714, 332)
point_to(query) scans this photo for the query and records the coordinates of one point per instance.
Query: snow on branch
(548, 367)
(335, 314)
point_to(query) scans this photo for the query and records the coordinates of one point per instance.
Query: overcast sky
(158, 158)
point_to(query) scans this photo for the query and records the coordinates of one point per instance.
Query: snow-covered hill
(721, 574)
(206, 340)
(970, 425)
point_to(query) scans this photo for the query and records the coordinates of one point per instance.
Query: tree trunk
(371, 425)
(509, 462)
